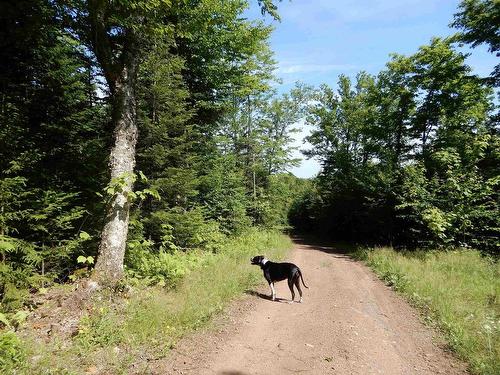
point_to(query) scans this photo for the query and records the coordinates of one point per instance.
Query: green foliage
(283, 191)
(187, 149)
(181, 229)
(256, 138)
(408, 156)
(276, 126)
(85, 260)
(305, 208)
(478, 20)
(12, 354)
(224, 195)
(457, 290)
(50, 142)
(163, 268)
(98, 330)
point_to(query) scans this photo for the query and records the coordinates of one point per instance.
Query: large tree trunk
(119, 63)
(109, 266)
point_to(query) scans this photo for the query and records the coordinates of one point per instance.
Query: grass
(145, 323)
(458, 291)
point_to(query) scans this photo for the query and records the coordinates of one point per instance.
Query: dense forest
(410, 157)
(213, 145)
(160, 122)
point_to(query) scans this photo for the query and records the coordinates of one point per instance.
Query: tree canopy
(478, 21)
(409, 157)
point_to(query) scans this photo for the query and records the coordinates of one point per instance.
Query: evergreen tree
(51, 139)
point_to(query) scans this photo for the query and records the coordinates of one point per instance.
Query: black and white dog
(280, 271)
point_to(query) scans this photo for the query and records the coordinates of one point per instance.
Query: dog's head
(257, 260)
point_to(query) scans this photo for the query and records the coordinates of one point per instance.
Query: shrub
(12, 354)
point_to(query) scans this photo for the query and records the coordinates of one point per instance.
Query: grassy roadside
(457, 291)
(120, 334)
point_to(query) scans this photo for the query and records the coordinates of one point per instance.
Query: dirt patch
(349, 323)
(59, 312)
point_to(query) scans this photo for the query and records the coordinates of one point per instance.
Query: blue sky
(317, 40)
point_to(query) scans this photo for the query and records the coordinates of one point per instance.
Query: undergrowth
(458, 291)
(122, 332)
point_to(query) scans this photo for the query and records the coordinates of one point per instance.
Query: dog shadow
(266, 296)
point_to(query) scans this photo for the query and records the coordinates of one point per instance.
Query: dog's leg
(297, 284)
(273, 292)
(290, 285)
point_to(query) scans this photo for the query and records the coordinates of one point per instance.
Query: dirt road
(349, 323)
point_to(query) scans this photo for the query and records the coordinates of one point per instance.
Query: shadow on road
(266, 296)
(336, 249)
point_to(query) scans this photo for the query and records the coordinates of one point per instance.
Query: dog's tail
(303, 283)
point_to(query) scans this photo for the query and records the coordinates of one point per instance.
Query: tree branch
(101, 42)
